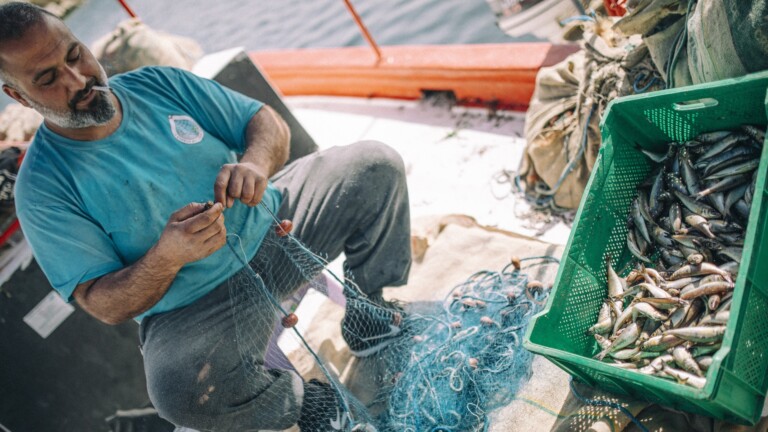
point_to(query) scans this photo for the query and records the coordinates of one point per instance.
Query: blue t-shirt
(89, 208)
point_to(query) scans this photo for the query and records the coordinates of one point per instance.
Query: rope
(595, 402)
(643, 89)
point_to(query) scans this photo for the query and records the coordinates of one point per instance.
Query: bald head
(16, 18)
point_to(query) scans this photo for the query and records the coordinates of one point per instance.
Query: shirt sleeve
(69, 248)
(221, 111)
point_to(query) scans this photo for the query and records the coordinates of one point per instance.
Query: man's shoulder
(148, 74)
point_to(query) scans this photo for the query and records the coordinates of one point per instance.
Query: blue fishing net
(445, 369)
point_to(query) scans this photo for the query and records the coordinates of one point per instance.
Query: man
(110, 197)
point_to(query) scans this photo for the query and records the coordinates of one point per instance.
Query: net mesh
(441, 370)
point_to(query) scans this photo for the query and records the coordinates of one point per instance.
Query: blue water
(280, 24)
(275, 24)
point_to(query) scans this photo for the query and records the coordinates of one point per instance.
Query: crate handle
(695, 104)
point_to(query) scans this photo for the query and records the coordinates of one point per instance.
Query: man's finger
(249, 189)
(212, 229)
(258, 195)
(187, 211)
(221, 184)
(235, 187)
(203, 220)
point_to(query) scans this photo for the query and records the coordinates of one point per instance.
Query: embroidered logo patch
(186, 129)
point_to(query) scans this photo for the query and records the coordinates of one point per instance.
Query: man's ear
(15, 95)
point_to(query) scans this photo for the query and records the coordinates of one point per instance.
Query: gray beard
(100, 111)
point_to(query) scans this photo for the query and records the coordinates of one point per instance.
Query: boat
(455, 113)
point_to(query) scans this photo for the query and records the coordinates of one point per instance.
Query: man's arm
(267, 147)
(192, 233)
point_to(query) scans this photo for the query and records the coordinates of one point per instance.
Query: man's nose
(75, 80)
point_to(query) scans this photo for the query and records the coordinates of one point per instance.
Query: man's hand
(245, 181)
(192, 233)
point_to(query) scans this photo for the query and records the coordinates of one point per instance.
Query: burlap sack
(133, 45)
(563, 120)
(18, 123)
(661, 45)
(714, 39)
(749, 30)
(712, 54)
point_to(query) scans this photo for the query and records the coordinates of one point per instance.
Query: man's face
(54, 73)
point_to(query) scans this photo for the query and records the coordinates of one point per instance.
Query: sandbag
(133, 44)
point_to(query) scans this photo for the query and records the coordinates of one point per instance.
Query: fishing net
(442, 370)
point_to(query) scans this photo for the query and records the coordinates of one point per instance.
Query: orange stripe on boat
(499, 74)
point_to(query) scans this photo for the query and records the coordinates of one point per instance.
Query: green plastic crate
(736, 381)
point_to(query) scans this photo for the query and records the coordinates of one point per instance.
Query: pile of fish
(686, 227)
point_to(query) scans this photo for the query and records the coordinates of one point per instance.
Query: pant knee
(376, 163)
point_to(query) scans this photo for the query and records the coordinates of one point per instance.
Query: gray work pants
(350, 199)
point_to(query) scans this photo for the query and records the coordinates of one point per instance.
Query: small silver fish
(698, 334)
(684, 377)
(685, 360)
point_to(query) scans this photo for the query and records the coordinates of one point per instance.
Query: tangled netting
(467, 359)
(442, 371)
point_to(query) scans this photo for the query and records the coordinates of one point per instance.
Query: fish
(647, 310)
(719, 226)
(684, 377)
(654, 156)
(692, 313)
(707, 289)
(754, 132)
(616, 285)
(625, 316)
(742, 209)
(675, 216)
(731, 267)
(661, 236)
(624, 354)
(725, 184)
(639, 221)
(750, 192)
(633, 248)
(702, 269)
(698, 334)
(675, 183)
(690, 178)
(663, 303)
(699, 223)
(734, 195)
(713, 137)
(602, 341)
(656, 203)
(699, 208)
(672, 257)
(704, 362)
(661, 343)
(604, 321)
(626, 338)
(685, 360)
(732, 252)
(701, 350)
(726, 159)
(717, 200)
(732, 170)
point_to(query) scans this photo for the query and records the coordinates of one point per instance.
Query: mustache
(80, 95)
